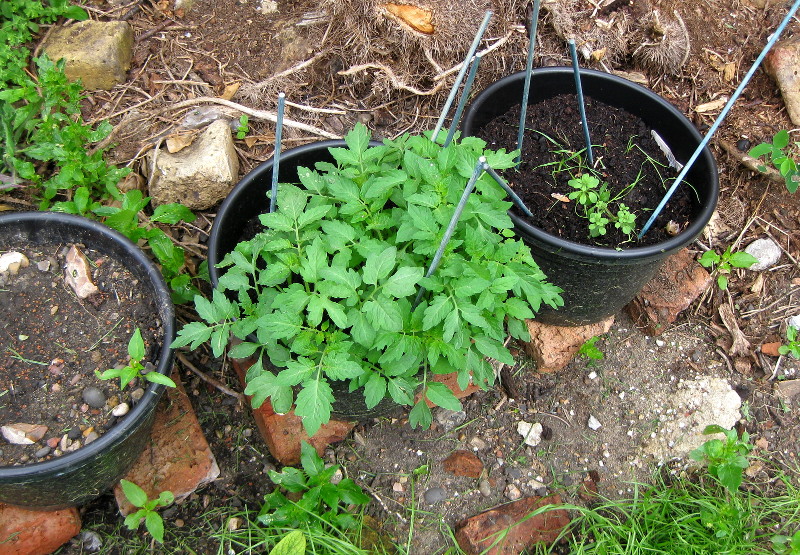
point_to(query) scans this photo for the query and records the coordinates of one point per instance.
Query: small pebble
(593, 423)
(435, 495)
(93, 397)
(121, 409)
(43, 452)
(766, 251)
(512, 492)
(485, 488)
(74, 433)
(137, 394)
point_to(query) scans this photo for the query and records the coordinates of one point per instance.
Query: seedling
(322, 503)
(725, 262)
(596, 200)
(147, 509)
(726, 459)
(776, 152)
(244, 128)
(135, 367)
(793, 347)
(788, 545)
(588, 349)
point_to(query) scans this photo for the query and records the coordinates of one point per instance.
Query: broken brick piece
(553, 347)
(463, 463)
(31, 532)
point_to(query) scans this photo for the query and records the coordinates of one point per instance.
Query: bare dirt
(182, 57)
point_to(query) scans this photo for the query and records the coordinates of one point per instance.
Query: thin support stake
(437, 258)
(721, 117)
(523, 113)
(573, 52)
(276, 156)
(475, 42)
(463, 100)
(502, 182)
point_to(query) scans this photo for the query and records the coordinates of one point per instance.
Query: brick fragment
(553, 347)
(30, 532)
(463, 463)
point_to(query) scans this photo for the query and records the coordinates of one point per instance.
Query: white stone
(198, 176)
(766, 251)
(794, 321)
(12, 261)
(120, 410)
(594, 423)
(531, 432)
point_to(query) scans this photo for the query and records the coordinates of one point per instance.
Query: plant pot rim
(153, 392)
(610, 253)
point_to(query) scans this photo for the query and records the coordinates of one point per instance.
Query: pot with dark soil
(76, 299)
(583, 232)
(331, 288)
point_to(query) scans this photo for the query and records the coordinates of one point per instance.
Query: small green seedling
(793, 347)
(775, 152)
(244, 127)
(147, 509)
(596, 201)
(588, 349)
(134, 368)
(726, 459)
(725, 262)
(788, 545)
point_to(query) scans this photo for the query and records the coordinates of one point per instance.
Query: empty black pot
(598, 281)
(78, 477)
(240, 211)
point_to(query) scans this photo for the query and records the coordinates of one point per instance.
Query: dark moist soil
(613, 132)
(51, 343)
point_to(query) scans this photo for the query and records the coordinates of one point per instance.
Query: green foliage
(126, 374)
(725, 262)
(244, 128)
(328, 287)
(776, 153)
(788, 545)
(726, 459)
(322, 504)
(793, 345)
(147, 509)
(293, 543)
(595, 201)
(588, 350)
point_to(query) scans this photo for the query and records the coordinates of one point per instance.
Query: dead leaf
(230, 90)
(176, 143)
(78, 274)
(418, 19)
(729, 71)
(559, 197)
(741, 346)
(712, 106)
(598, 55)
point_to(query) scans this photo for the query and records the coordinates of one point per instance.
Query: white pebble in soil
(766, 251)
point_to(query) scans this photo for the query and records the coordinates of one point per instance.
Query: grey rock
(485, 488)
(449, 419)
(512, 492)
(766, 251)
(434, 495)
(43, 452)
(513, 473)
(94, 397)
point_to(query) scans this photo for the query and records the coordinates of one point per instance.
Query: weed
(726, 459)
(243, 128)
(134, 369)
(590, 351)
(147, 509)
(793, 345)
(725, 262)
(776, 152)
(596, 200)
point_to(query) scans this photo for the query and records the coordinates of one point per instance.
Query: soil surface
(628, 162)
(53, 342)
(184, 56)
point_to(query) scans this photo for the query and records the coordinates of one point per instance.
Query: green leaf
(420, 416)
(439, 308)
(313, 404)
(155, 525)
(709, 258)
(383, 185)
(493, 349)
(742, 260)
(157, 377)
(133, 493)
(781, 139)
(195, 333)
(384, 314)
(243, 350)
(310, 460)
(172, 214)
(403, 282)
(379, 265)
(374, 390)
(136, 346)
(439, 394)
(358, 138)
(293, 543)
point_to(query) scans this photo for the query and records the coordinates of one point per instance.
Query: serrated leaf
(195, 333)
(155, 525)
(742, 260)
(440, 395)
(439, 308)
(493, 349)
(374, 390)
(382, 186)
(313, 405)
(172, 214)
(383, 314)
(403, 282)
(310, 460)
(420, 416)
(379, 265)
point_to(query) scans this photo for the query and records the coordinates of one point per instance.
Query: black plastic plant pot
(80, 476)
(599, 281)
(237, 217)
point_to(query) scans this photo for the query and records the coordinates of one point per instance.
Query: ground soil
(53, 342)
(629, 163)
(183, 56)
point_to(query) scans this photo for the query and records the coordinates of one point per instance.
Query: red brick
(27, 532)
(553, 347)
(463, 463)
(679, 281)
(476, 534)
(771, 349)
(178, 457)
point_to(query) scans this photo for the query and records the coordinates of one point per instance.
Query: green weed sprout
(244, 127)
(590, 351)
(596, 200)
(790, 545)
(725, 262)
(775, 152)
(322, 504)
(147, 509)
(793, 347)
(134, 368)
(726, 459)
